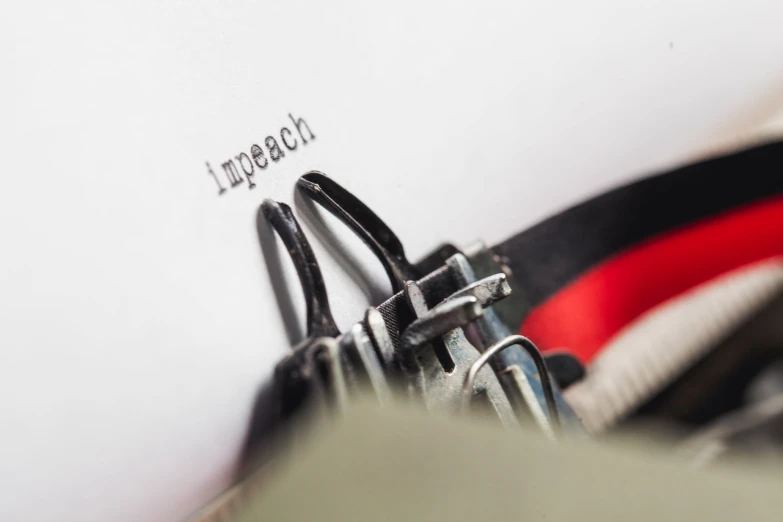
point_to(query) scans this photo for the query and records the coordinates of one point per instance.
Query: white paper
(138, 318)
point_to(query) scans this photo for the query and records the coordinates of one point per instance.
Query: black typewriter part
(414, 340)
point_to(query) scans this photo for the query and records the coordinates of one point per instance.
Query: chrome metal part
(522, 397)
(488, 291)
(364, 363)
(508, 342)
(512, 310)
(335, 385)
(439, 380)
(435, 323)
(490, 329)
(379, 336)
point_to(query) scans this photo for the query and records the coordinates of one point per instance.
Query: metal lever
(522, 370)
(435, 323)
(298, 377)
(328, 380)
(364, 363)
(320, 322)
(313, 374)
(379, 335)
(487, 291)
(384, 244)
(364, 222)
(440, 379)
(302, 372)
(508, 342)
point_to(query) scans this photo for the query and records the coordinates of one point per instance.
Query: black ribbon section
(550, 255)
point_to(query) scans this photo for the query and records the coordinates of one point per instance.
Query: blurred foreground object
(402, 464)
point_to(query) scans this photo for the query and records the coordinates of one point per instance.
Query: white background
(136, 315)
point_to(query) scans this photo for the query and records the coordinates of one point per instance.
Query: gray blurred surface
(403, 465)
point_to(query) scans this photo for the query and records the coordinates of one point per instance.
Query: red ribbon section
(588, 312)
